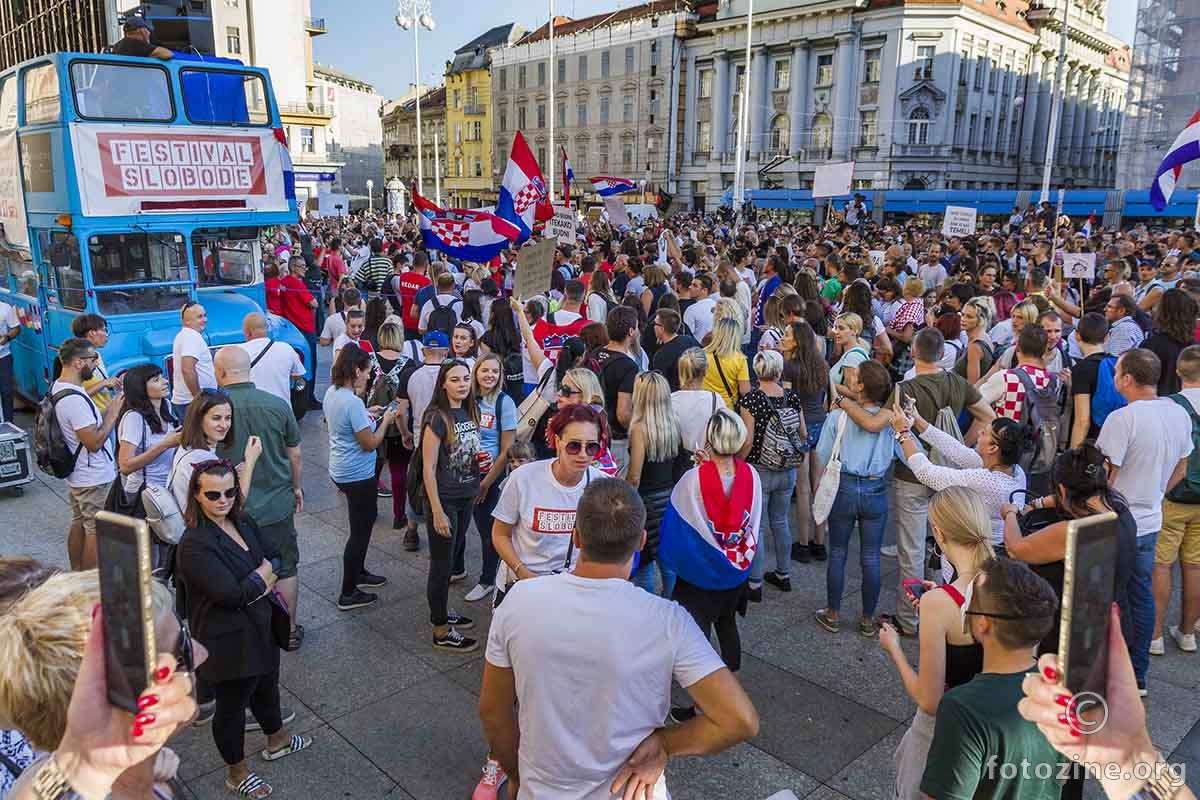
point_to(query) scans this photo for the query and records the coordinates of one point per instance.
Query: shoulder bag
(163, 514)
(831, 478)
(532, 409)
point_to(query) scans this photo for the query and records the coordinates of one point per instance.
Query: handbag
(281, 620)
(532, 409)
(163, 514)
(831, 478)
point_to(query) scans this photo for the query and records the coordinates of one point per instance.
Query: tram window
(27, 281)
(6, 269)
(120, 259)
(216, 97)
(60, 254)
(224, 261)
(42, 102)
(121, 92)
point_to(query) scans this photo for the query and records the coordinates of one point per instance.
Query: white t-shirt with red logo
(542, 513)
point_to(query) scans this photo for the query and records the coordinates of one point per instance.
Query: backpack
(514, 374)
(782, 447)
(1039, 420)
(442, 317)
(609, 305)
(1187, 491)
(49, 445)
(1106, 399)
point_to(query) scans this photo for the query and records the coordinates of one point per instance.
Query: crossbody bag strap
(721, 375)
(587, 479)
(836, 453)
(262, 353)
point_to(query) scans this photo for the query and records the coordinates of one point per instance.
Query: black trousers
(261, 695)
(362, 497)
(442, 550)
(7, 387)
(715, 608)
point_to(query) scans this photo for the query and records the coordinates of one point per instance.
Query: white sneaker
(888, 550)
(1186, 641)
(1156, 647)
(479, 592)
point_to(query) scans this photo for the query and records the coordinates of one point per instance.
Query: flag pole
(553, 104)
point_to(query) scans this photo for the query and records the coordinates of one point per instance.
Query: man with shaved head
(275, 495)
(273, 365)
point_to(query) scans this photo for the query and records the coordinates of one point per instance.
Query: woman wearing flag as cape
(709, 535)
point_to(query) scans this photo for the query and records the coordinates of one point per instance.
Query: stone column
(843, 124)
(758, 110)
(1041, 123)
(1081, 153)
(798, 96)
(689, 110)
(1070, 104)
(720, 103)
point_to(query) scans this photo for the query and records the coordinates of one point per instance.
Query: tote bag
(532, 409)
(831, 478)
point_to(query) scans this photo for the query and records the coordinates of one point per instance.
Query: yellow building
(471, 174)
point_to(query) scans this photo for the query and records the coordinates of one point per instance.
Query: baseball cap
(436, 339)
(135, 22)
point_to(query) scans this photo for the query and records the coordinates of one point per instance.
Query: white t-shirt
(190, 343)
(597, 309)
(542, 513)
(8, 321)
(693, 409)
(1146, 439)
(748, 277)
(335, 326)
(182, 466)
(133, 429)
(75, 412)
(445, 300)
(274, 371)
(602, 642)
(699, 317)
(420, 392)
(932, 275)
(1002, 334)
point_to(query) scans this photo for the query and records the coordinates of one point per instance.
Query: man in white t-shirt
(10, 328)
(699, 315)
(445, 298)
(1147, 444)
(556, 634)
(273, 364)
(85, 433)
(192, 364)
(335, 324)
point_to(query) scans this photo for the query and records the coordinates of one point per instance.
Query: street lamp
(370, 196)
(1038, 16)
(416, 14)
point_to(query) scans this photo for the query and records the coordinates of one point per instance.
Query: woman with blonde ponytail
(948, 657)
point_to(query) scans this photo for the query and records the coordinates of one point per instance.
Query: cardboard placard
(959, 221)
(1079, 265)
(878, 257)
(615, 207)
(535, 263)
(562, 225)
(833, 180)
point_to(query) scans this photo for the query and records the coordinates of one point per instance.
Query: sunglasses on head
(214, 393)
(215, 495)
(575, 447)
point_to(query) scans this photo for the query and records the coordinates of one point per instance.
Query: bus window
(60, 254)
(41, 94)
(216, 97)
(121, 92)
(119, 259)
(27, 282)
(6, 269)
(222, 259)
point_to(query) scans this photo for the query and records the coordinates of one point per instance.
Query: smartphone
(1089, 588)
(915, 587)
(123, 545)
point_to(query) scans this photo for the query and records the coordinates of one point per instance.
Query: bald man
(275, 495)
(273, 365)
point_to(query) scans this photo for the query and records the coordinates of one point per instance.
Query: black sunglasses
(214, 393)
(215, 495)
(574, 448)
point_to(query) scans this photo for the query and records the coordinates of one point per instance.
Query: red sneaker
(489, 785)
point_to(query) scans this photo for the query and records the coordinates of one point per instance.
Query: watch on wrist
(1163, 784)
(51, 783)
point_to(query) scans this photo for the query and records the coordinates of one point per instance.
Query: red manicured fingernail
(162, 674)
(146, 701)
(1063, 700)
(1062, 719)
(136, 730)
(95, 611)
(144, 719)
(1075, 733)
(1051, 673)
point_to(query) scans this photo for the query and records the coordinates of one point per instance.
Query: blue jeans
(483, 523)
(1141, 606)
(643, 576)
(180, 411)
(668, 580)
(860, 502)
(311, 338)
(777, 488)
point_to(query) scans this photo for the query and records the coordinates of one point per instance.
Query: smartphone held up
(123, 545)
(1089, 589)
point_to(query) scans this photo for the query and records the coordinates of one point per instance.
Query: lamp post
(370, 196)
(416, 14)
(739, 170)
(1038, 16)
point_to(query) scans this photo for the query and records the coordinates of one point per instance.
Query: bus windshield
(122, 92)
(226, 256)
(223, 97)
(154, 259)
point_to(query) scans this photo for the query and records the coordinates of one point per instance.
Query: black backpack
(609, 304)
(49, 446)
(1039, 422)
(514, 374)
(442, 317)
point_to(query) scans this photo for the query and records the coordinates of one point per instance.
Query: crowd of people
(687, 409)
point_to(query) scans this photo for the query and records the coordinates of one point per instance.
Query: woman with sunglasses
(208, 424)
(450, 449)
(226, 570)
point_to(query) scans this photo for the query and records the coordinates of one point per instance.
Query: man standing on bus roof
(10, 328)
(137, 41)
(192, 363)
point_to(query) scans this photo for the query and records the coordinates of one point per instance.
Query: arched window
(780, 130)
(918, 126)
(822, 133)
(915, 185)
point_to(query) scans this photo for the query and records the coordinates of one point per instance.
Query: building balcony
(315, 25)
(474, 110)
(306, 111)
(922, 150)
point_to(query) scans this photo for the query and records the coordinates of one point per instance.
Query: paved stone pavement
(393, 718)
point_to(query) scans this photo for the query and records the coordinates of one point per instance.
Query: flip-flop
(296, 639)
(249, 787)
(297, 744)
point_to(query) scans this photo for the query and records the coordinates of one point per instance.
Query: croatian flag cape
(463, 233)
(1185, 148)
(707, 538)
(523, 198)
(606, 185)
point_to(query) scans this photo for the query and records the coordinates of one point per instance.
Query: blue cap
(436, 339)
(134, 22)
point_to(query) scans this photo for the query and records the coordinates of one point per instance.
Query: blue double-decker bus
(129, 186)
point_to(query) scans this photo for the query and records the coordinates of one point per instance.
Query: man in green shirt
(275, 495)
(982, 748)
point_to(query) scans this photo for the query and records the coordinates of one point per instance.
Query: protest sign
(877, 258)
(535, 263)
(833, 180)
(1079, 265)
(562, 225)
(615, 207)
(959, 221)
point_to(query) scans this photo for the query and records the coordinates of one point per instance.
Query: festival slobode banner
(130, 169)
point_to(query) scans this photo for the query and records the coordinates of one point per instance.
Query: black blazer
(225, 601)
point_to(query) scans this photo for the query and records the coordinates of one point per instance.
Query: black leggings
(715, 608)
(261, 694)
(362, 497)
(442, 551)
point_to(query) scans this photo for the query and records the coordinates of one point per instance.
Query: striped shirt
(1125, 334)
(375, 272)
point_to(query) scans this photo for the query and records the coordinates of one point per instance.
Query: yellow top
(100, 398)
(735, 369)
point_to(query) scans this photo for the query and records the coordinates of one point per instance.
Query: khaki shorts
(85, 501)
(282, 535)
(1179, 538)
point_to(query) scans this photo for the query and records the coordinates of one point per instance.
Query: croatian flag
(1086, 230)
(707, 539)
(285, 157)
(463, 233)
(1185, 148)
(568, 176)
(606, 185)
(523, 198)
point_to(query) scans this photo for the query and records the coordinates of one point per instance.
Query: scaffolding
(1164, 90)
(32, 28)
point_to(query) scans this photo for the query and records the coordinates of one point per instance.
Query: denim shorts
(814, 434)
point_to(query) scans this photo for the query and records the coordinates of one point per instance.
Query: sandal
(825, 621)
(297, 744)
(296, 639)
(251, 787)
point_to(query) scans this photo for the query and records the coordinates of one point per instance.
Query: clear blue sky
(367, 44)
